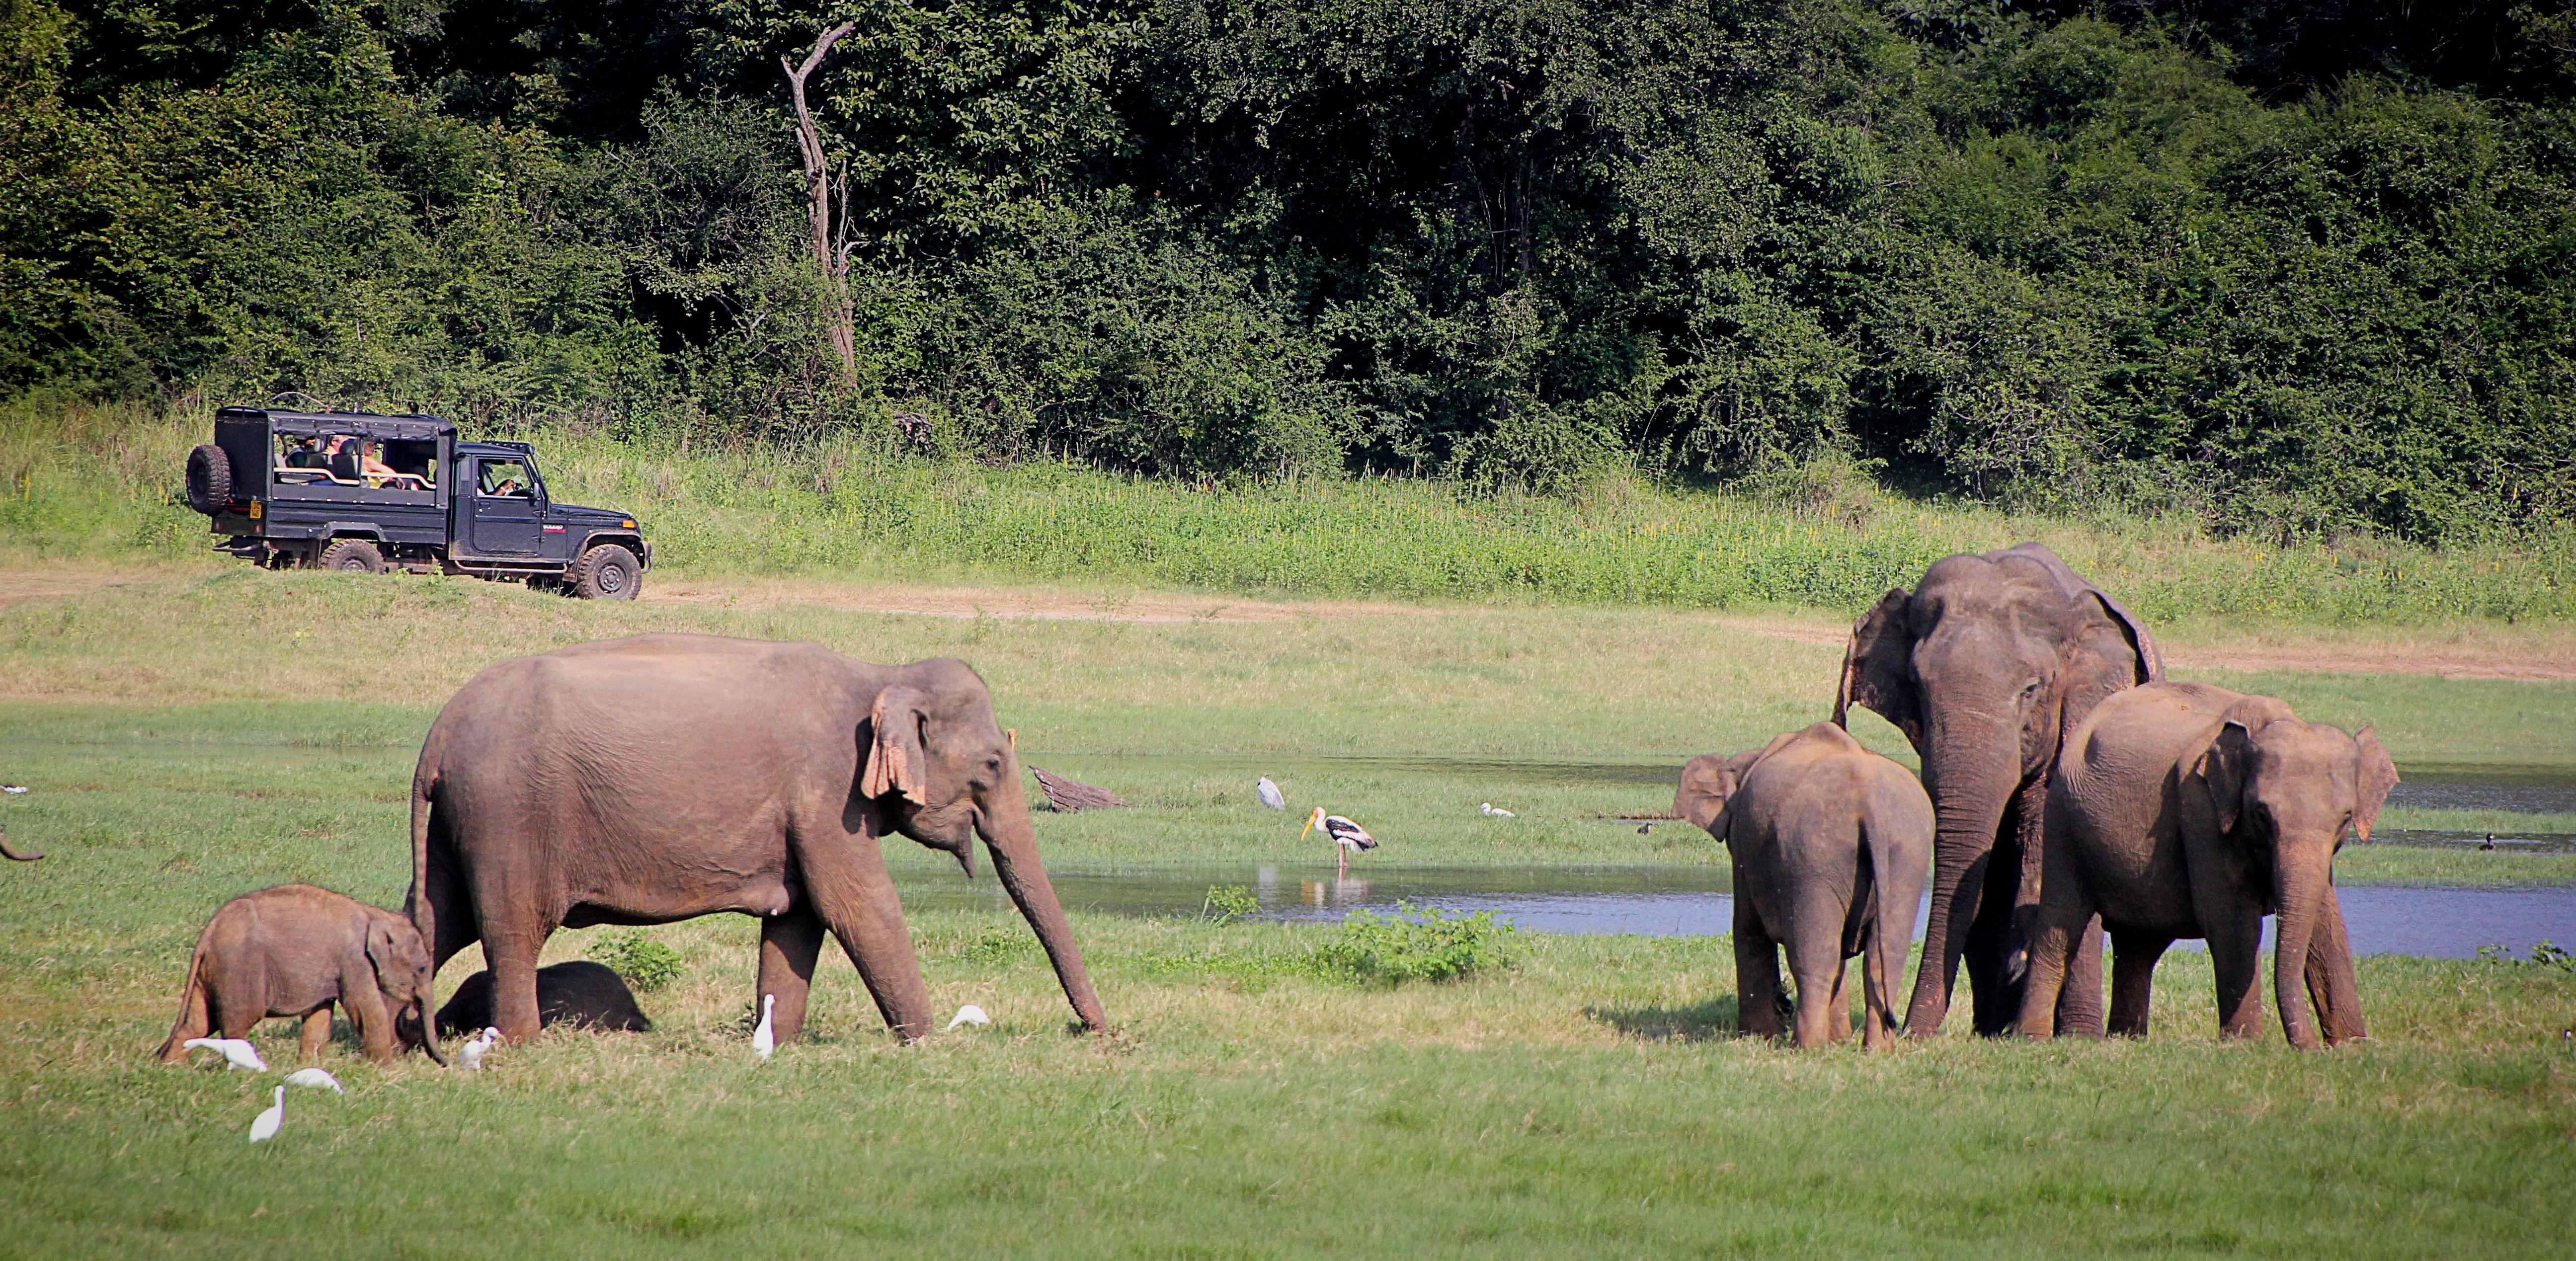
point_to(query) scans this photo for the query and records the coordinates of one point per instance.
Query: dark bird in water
(1644, 828)
(2489, 843)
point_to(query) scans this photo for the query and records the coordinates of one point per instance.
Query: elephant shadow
(1693, 1022)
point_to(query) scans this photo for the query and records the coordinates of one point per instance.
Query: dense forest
(2304, 268)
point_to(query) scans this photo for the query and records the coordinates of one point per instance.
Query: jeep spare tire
(210, 479)
(607, 572)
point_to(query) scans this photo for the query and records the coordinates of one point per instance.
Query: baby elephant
(293, 951)
(584, 994)
(1832, 844)
(2185, 810)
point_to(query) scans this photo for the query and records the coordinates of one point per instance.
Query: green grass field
(77, 480)
(201, 730)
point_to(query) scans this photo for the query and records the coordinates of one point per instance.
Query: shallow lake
(1686, 901)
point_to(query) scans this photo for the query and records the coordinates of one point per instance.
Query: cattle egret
(1492, 811)
(470, 1056)
(1270, 794)
(1348, 838)
(315, 1079)
(970, 1014)
(763, 1041)
(264, 1126)
(236, 1052)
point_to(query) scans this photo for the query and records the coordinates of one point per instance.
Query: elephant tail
(195, 1021)
(419, 905)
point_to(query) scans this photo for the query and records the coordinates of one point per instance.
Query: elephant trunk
(15, 854)
(1971, 770)
(2304, 886)
(428, 1030)
(1012, 840)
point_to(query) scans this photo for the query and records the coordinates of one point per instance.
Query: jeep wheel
(354, 555)
(606, 572)
(210, 479)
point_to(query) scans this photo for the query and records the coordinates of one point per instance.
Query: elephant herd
(2067, 789)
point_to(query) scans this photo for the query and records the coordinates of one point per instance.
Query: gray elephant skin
(1983, 666)
(1831, 844)
(294, 951)
(659, 778)
(2185, 810)
(579, 994)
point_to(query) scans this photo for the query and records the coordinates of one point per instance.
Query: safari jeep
(349, 490)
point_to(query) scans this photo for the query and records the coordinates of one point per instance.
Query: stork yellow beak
(1311, 821)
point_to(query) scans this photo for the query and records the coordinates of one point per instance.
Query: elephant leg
(239, 1013)
(452, 910)
(856, 900)
(369, 1011)
(317, 1030)
(2079, 997)
(789, 944)
(512, 956)
(1990, 949)
(1757, 973)
(2133, 980)
(2236, 955)
(2065, 916)
(1816, 964)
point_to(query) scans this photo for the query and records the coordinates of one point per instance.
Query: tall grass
(81, 480)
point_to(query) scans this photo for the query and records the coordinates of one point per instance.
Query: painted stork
(1348, 838)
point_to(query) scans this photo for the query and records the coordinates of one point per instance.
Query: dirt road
(2544, 652)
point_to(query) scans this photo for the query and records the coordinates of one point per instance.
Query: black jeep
(350, 490)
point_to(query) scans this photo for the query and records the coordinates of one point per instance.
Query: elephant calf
(582, 994)
(1832, 844)
(2185, 810)
(293, 951)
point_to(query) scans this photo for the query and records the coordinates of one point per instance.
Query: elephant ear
(2377, 775)
(395, 950)
(1701, 797)
(895, 761)
(2222, 768)
(1878, 669)
(2151, 663)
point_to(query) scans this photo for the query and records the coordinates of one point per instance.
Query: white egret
(316, 1079)
(763, 1040)
(470, 1056)
(264, 1126)
(1348, 838)
(237, 1052)
(1492, 811)
(1270, 794)
(970, 1014)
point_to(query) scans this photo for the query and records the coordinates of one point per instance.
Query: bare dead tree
(831, 233)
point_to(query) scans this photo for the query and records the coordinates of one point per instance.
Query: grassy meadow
(83, 481)
(198, 729)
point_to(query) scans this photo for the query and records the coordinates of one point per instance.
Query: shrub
(998, 947)
(1417, 944)
(1226, 903)
(645, 963)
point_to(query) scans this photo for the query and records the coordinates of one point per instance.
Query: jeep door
(504, 520)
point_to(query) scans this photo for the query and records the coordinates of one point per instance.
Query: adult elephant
(1983, 666)
(659, 778)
